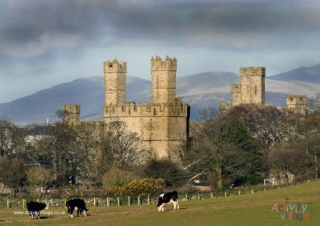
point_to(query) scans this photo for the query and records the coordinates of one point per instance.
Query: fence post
(239, 192)
(138, 200)
(108, 202)
(211, 195)
(94, 201)
(225, 194)
(251, 191)
(8, 203)
(186, 196)
(148, 200)
(128, 200)
(198, 195)
(23, 203)
(118, 201)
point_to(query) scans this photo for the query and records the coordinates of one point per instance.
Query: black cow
(76, 204)
(35, 208)
(170, 197)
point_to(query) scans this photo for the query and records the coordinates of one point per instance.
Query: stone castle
(160, 125)
(251, 90)
(165, 122)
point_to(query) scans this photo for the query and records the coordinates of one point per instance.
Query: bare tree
(116, 178)
(12, 173)
(39, 179)
(313, 105)
(290, 162)
(268, 124)
(221, 148)
(11, 138)
(120, 147)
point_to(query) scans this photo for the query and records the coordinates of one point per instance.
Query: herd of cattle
(34, 208)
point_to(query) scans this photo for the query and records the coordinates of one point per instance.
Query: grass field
(247, 209)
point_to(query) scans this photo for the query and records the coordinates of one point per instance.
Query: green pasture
(246, 209)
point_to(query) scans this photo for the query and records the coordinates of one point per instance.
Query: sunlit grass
(246, 209)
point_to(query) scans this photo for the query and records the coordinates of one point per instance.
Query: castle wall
(157, 125)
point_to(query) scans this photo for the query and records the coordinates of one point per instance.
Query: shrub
(143, 188)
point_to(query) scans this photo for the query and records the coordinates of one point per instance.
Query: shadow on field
(172, 210)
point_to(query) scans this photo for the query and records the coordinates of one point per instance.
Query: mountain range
(199, 90)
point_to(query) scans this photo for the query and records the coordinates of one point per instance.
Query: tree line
(240, 147)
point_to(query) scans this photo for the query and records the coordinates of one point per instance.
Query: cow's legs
(162, 207)
(175, 205)
(71, 208)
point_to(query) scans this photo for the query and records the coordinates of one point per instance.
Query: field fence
(8, 202)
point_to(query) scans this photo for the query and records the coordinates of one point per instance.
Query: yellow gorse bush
(143, 187)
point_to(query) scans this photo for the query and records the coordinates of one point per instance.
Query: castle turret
(236, 94)
(71, 113)
(252, 85)
(297, 104)
(115, 82)
(163, 80)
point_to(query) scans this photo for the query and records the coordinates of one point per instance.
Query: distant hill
(199, 90)
(302, 74)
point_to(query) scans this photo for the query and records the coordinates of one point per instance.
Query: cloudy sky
(47, 42)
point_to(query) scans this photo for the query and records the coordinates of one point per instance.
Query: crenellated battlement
(253, 71)
(296, 100)
(115, 66)
(235, 87)
(71, 108)
(71, 112)
(131, 109)
(168, 64)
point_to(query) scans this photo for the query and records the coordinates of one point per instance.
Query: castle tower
(297, 104)
(160, 125)
(71, 113)
(115, 82)
(236, 94)
(163, 80)
(252, 85)
(224, 107)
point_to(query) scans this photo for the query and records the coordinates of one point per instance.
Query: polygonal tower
(297, 104)
(71, 112)
(115, 82)
(236, 94)
(163, 80)
(252, 85)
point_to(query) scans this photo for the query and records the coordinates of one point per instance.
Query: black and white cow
(35, 208)
(170, 197)
(76, 204)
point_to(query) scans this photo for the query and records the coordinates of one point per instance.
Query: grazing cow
(35, 208)
(76, 204)
(170, 197)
